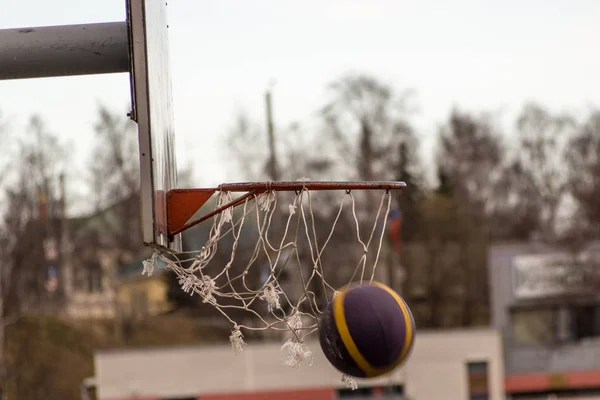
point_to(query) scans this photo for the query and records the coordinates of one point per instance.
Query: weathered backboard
(152, 109)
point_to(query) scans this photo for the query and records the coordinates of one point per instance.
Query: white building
(444, 365)
(550, 319)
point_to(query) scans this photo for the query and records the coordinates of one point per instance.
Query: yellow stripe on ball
(408, 338)
(342, 327)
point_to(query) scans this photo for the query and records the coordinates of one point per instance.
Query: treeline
(38, 239)
(46, 252)
(540, 179)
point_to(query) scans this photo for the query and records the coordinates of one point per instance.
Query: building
(97, 265)
(550, 325)
(449, 365)
(93, 253)
(100, 273)
(140, 295)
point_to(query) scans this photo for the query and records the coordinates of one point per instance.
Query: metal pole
(273, 167)
(101, 48)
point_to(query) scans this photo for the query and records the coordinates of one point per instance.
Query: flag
(394, 229)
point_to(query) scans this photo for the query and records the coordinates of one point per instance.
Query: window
(533, 326)
(361, 392)
(585, 321)
(393, 392)
(557, 324)
(477, 380)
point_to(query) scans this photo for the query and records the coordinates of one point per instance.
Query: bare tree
(446, 263)
(471, 152)
(516, 206)
(31, 216)
(583, 160)
(364, 119)
(455, 222)
(409, 170)
(114, 172)
(583, 184)
(543, 139)
(482, 174)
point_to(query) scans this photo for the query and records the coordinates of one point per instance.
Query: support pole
(41, 52)
(273, 167)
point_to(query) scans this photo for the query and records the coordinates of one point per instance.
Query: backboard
(152, 109)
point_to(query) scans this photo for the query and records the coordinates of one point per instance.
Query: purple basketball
(367, 330)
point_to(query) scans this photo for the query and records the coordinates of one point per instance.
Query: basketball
(367, 330)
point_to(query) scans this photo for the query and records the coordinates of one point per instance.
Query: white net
(279, 258)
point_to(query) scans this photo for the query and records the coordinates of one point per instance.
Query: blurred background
(487, 110)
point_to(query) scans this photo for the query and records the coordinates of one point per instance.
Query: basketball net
(280, 281)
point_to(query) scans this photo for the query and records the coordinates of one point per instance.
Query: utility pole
(272, 166)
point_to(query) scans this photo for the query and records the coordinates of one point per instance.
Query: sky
(476, 55)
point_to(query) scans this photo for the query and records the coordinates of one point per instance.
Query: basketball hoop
(277, 235)
(294, 227)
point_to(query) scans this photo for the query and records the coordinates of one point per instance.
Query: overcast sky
(476, 54)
